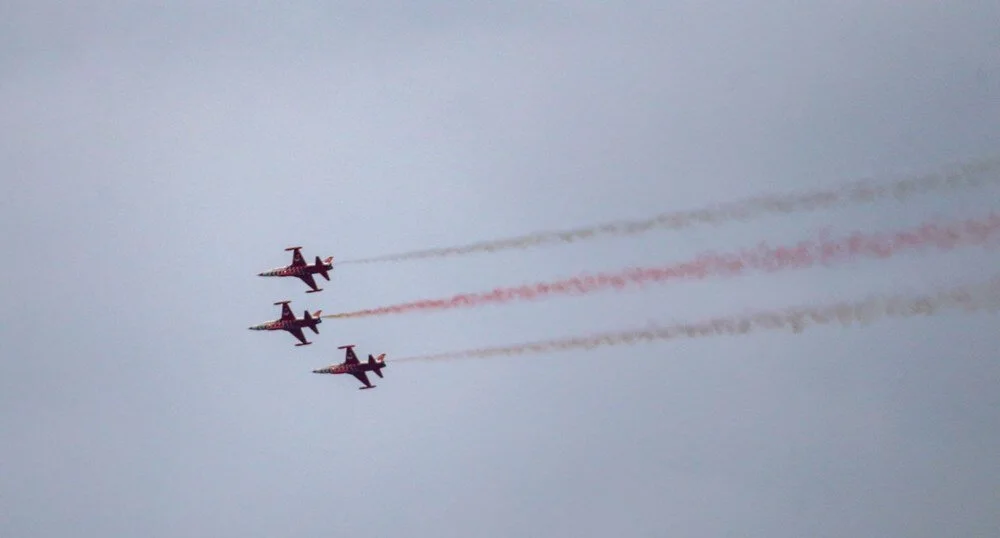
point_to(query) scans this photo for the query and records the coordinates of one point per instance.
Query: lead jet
(358, 369)
(290, 324)
(300, 269)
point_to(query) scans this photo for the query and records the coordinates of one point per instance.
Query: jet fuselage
(350, 368)
(300, 270)
(284, 325)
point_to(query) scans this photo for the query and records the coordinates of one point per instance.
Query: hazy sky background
(155, 158)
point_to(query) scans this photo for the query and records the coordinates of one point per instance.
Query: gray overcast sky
(155, 157)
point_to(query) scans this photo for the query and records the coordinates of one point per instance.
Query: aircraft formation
(288, 322)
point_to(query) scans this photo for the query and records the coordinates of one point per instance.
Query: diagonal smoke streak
(966, 175)
(821, 250)
(971, 298)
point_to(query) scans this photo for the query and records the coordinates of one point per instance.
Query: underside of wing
(362, 377)
(297, 258)
(297, 333)
(308, 279)
(351, 357)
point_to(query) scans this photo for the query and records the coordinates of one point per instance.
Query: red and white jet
(300, 269)
(353, 366)
(290, 324)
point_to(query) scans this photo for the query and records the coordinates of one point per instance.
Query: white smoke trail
(970, 298)
(966, 175)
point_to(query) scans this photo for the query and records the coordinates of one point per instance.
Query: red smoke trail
(967, 175)
(982, 296)
(818, 251)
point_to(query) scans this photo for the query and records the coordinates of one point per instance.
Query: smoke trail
(960, 176)
(982, 296)
(808, 253)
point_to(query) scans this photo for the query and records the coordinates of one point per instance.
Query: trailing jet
(353, 366)
(300, 269)
(290, 324)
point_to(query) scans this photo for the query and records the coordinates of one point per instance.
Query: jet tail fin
(379, 363)
(321, 264)
(315, 316)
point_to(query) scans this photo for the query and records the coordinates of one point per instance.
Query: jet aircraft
(290, 324)
(300, 269)
(358, 369)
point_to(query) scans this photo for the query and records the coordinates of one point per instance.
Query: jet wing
(308, 279)
(286, 312)
(297, 333)
(351, 357)
(362, 377)
(297, 258)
